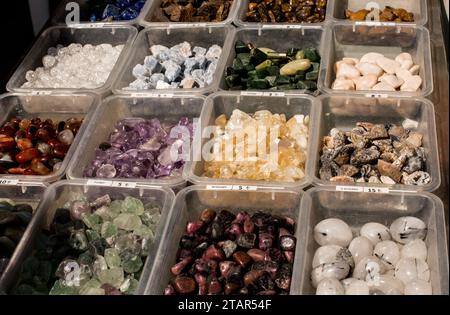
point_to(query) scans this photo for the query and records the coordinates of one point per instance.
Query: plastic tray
(60, 193)
(116, 108)
(153, 5)
(243, 9)
(350, 40)
(59, 17)
(356, 209)
(191, 201)
(225, 103)
(88, 34)
(418, 7)
(343, 112)
(308, 36)
(200, 36)
(58, 106)
(30, 194)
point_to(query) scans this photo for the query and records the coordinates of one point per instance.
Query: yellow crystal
(259, 146)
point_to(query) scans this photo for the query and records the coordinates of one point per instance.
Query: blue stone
(93, 17)
(129, 14)
(123, 3)
(139, 5)
(111, 11)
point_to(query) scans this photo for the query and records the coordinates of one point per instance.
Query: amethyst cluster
(229, 254)
(141, 148)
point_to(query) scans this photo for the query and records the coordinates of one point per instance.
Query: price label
(244, 188)
(376, 190)
(349, 188)
(273, 94)
(124, 184)
(40, 93)
(293, 26)
(374, 23)
(9, 182)
(372, 95)
(165, 95)
(93, 182)
(219, 187)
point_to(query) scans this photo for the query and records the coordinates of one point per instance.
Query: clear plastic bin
(116, 108)
(60, 106)
(29, 194)
(224, 103)
(147, 19)
(356, 209)
(417, 7)
(243, 9)
(191, 201)
(89, 34)
(350, 40)
(62, 192)
(308, 36)
(343, 112)
(199, 36)
(59, 17)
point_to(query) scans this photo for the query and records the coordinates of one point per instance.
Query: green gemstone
(282, 80)
(244, 58)
(271, 79)
(129, 286)
(115, 208)
(312, 54)
(273, 70)
(259, 84)
(132, 265)
(144, 232)
(312, 75)
(91, 220)
(92, 235)
(127, 222)
(113, 276)
(240, 47)
(108, 230)
(112, 257)
(133, 206)
(60, 289)
(103, 212)
(232, 80)
(78, 240)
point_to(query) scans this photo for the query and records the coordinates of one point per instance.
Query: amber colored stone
(27, 155)
(60, 150)
(24, 124)
(16, 171)
(6, 144)
(43, 134)
(24, 144)
(39, 168)
(29, 172)
(184, 285)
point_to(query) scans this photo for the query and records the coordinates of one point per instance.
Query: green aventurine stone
(312, 76)
(91, 284)
(112, 257)
(108, 230)
(259, 84)
(91, 220)
(127, 222)
(261, 74)
(271, 79)
(60, 289)
(93, 291)
(132, 265)
(129, 286)
(232, 80)
(307, 85)
(87, 258)
(240, 47)
(282, 80)
(252, 75)
(92, 235)
(113, 276)
(273, 70)
(133, 206)
(237, 65)
(312, 54)
(244, 58)
(315, 66)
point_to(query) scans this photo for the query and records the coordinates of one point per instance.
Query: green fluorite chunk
(112, 257)
(132, 265)
(113, 276)
(128, 222)
(60, 289)
(133, 206)
(108, 230)
(92, 221)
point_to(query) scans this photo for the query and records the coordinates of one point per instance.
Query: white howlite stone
(161, 85)
(199, 51)
(410, 124)
(214, 52)
(75, 66)
(139, 71)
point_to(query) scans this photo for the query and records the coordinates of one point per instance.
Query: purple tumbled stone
(142, 148)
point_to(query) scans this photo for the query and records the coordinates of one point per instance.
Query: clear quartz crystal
(75, 66)
(261, 146)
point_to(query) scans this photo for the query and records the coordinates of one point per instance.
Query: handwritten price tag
(124, 184)
(9, 182)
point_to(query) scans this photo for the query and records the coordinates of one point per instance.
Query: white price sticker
(219, 187)
(376, 190)
(273, 94)
(9, 182)
(374, 23)
(349, 188)
(244, 188)
(376, 95)
(93, 182)
(40, 93)
(124, 184)
(293, 26)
